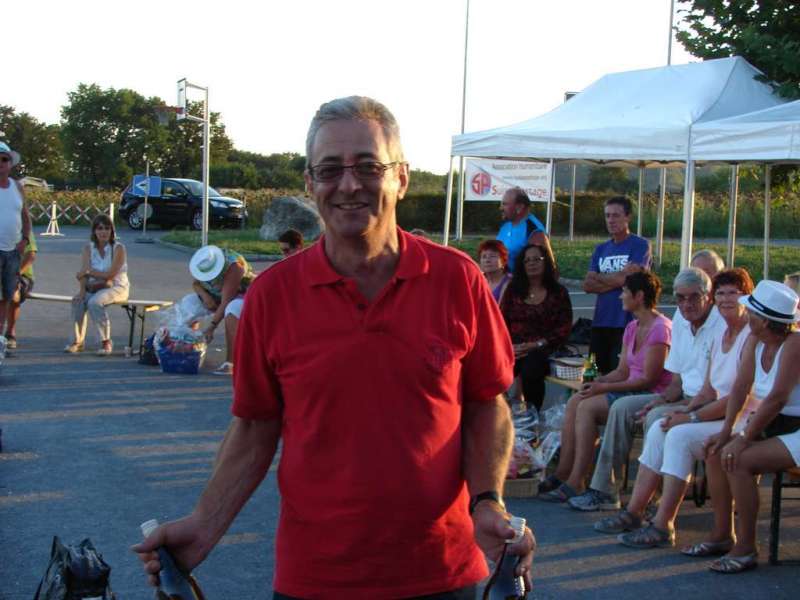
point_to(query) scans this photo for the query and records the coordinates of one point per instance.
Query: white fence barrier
(70, 213)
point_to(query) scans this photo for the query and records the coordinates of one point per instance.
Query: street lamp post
(183, 85)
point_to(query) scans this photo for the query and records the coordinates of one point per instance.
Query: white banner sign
(489, 179)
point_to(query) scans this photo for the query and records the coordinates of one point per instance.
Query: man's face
(616, 220)
(351, 206)
(509, 207)
(5, 165)
(288, 249)
(692, 302)
(704, 263)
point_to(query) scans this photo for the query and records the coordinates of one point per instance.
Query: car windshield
(196, 188)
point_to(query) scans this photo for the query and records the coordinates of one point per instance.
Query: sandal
(549, 484)
(225, 368)
(708, 549)
(648, 537)
(73, 348)
(11, 342)
(619, 523)
(730, 565)
(560, 495)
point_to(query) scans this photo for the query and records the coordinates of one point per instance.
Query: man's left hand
(673, 419)
(491, 532)
(21, 246)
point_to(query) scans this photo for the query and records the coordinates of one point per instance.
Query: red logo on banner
(481, 184)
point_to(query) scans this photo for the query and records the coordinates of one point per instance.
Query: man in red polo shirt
(381, 372)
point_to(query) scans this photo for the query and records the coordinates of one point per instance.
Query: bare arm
(741, 387)
(230, 289)
(116, 265)
(27, 260)
(655, 356)
(26, 220)
(487, 435)
(242, 462)
(597, 283)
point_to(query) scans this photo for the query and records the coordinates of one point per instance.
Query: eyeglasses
(533, 259)
(724, 294)
(5, 159)
(690, 299)
(364, 171)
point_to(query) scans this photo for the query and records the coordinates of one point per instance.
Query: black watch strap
(488, 495)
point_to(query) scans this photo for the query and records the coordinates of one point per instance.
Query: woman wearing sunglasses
(103, 280)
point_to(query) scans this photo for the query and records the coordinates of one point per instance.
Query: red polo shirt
(373, 500)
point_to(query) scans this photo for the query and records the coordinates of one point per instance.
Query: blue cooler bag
(187, 363)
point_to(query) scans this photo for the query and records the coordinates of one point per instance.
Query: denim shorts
(9, 267)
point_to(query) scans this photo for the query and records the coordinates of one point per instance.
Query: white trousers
(95, 304)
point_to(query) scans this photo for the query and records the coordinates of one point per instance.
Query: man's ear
(403, 176)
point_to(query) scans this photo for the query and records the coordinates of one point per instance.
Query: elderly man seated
(688, 361)
(221, 278)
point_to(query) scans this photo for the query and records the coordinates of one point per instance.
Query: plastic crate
(187, 363)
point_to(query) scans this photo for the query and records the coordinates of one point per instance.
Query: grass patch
(573, 257)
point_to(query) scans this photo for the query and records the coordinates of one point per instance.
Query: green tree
(764, 32)
(613, 179)
(38, 143)
(182, 155)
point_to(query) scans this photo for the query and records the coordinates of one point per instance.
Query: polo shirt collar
(413, 261)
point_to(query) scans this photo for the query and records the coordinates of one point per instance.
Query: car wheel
(135, 220)
(197, 220)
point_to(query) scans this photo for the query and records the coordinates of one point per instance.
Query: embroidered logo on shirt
(613, 264)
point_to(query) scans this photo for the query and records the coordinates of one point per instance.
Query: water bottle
(174, 583)
(505, 584)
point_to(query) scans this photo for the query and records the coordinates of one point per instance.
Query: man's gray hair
(711, 255)
(356, 108)
(693, 277)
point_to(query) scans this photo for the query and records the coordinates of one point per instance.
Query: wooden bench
(133, 308)
(570, 384)
(781, 480)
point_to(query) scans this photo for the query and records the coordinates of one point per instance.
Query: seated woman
(103, 280)
(645, 345)
(673, 443)
(769, 363)
(493, 261)
(221, 278)
(538, 314)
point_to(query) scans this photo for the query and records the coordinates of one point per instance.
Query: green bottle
(590, 369)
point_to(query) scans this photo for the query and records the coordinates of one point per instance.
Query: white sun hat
(207, 263)
(773, 301)
(6, 149)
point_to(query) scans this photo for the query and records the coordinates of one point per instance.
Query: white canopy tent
(638, 118)
(769, 136)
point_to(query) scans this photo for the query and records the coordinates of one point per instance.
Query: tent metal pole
(448, 203)
(767, 202)
(572, 204)
(662, 198)
(688, 214)
(640, 207)
(462, 175)
(550, 197)
(732, 205)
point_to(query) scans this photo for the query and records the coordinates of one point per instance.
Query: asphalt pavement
(93, 446)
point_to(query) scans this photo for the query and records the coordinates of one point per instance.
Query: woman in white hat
(769, 364)
(221, 278)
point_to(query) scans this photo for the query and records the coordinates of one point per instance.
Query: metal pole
(767, 202)
(206, 160)
(662, 200)
(688, 214)
(448, 204)
(669, 39)
(146, 195)
(734, 198)
(461, 167)
(640, 206)
(572, 205)
(550, 197)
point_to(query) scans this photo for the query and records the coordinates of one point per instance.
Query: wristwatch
(694, 417)
(492, 495)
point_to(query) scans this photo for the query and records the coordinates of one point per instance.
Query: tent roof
(634, 117)
(772, 134)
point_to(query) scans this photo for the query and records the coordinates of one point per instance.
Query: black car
(181, 203)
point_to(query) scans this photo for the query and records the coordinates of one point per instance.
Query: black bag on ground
(148, 355)
(74, 573)
(581, 333)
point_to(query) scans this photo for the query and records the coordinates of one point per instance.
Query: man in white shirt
(692, 335)
(15, 228)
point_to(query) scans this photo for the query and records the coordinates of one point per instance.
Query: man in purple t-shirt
(612, 261)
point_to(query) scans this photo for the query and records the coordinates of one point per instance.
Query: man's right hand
(185, 539)
(650, 406)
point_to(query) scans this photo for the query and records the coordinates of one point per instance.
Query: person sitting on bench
(221, 278)
(103, 280)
